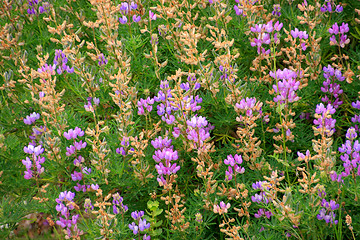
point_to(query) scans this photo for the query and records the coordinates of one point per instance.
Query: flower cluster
(331, 87)
(35, 161)
(234, 168)
(263, 32)
(64, 206)
(165, 109)
(47, 69)
(340, 32)
(163, 156)
(145, 103)
(302, 35)
(190, 101)
(323, 118)
(240, 9)
(123, 150)
(350, 156)
(198, 131)
(89, 107)
(261, 212)
(261, 197)
(140, 224)
(118, 206)
(356, 118)
(226, 74)
(30, 119)
(327, 7)
(249, 106)
(286, 88)
(222, 208)
(34, 7)
(327, 212)
(71, 150)
(102, 60)
(277, 10)
(191, 84)
(60, 61)
(126, 11)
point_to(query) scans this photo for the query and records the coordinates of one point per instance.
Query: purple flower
(136, 18)
(277, 10)
(140, 224)
(102, 60)
(30, 119)
(74, 133)
(152, 15)
(123, 20)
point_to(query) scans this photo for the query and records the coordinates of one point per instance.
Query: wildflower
(30, 119)
(118, 206)
(340, 32)
(102, 60)
(60, 61)
(233, 163)
(123, 20)
(64, 207)
(74, 133)
(136, 18)
(198, 217)
(327, 212)
(140, 224)
(152, 15)
(223, 208)
(277, 10)
(147, 103)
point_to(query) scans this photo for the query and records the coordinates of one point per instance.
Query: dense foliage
(195, 119)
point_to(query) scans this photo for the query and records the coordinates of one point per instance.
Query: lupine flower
(140, 224)
(331, 87)
(249, 106)
(88, 205)
(47, 69)
(136, 18)
(60, 61)
(327, 7)
(198, 217)
(118, 206)
(327, 212)
(74, 133)
(350, 156)
(277, 10)
(233, 168)
(124, 8)
(30, 119)
(164, 155)
(222, 208)
(287, 87)
(262, 196)
(263, 35)
(102, 60)
(261, 212)
(34, 150)
(123, 20)
(198, 131)
(89, 107)
(323, 118)
(64, 206)
(145, 103)
(340, 32)
(152, 15)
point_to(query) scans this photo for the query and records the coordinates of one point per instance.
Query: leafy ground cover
(198, 119)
